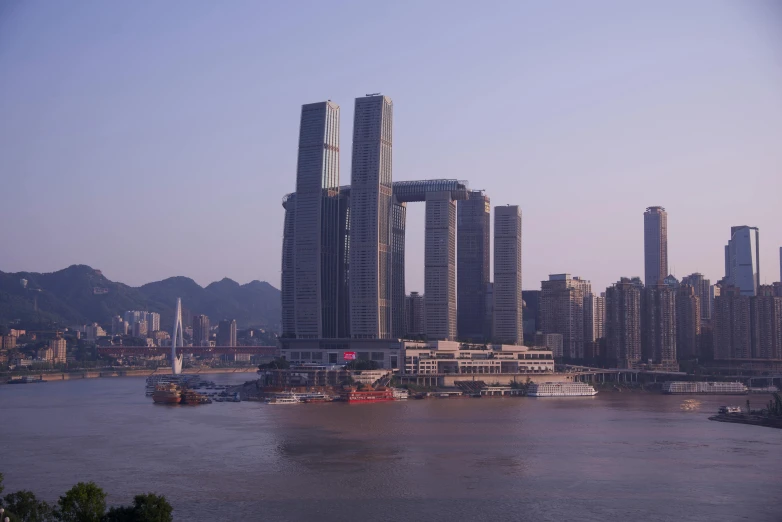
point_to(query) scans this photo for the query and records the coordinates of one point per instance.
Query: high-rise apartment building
(140, 329)
(153, 321)
(370, 207)
(200, 330)
(414, 315)
(766, 311)
(655, 245)
(742, 259)
(594, 317)
(226, 333)
(562, 311)
(508, 320)
(316, 237)
(688, 321)
(732, 325)
(702, 287)
(623, 322)
(472, 260)
(58, 347)
(531, 314)
(658, 325)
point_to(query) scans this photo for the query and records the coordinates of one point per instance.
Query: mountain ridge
(80, 294)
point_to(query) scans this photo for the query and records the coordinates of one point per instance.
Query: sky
(153, 139)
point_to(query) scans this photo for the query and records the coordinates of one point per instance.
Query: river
(617, 456)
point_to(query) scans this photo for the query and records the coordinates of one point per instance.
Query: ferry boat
(25, 380)
(167, 394)
(400, 394)
(191, 381)
(729, 409)
(378, 395)
(560, 389)
(284, 398)
(710, 388)
(193, 397)
(315, 397)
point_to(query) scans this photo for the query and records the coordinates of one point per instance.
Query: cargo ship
(378, 395)
(708, 388)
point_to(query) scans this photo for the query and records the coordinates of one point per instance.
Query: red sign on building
(349, 356)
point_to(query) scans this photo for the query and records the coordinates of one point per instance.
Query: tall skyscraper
(508, 320)
(370, 227)
(398, 297)
(226, 333)
(288, 276)
(414, 315)
(562, 311)
(702, 287)
(780, 263)
(658, 324)
(472, 265)
(655, 245)
(200, 330)
(440, 266)
(742, 259)
(316, 238)
(688, 322)
(623, 322)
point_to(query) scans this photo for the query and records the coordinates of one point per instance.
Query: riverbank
(744, 418)
(96, 374)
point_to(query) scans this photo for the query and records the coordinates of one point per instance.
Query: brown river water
(617, 456)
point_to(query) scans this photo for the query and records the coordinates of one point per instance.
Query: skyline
(531, 120)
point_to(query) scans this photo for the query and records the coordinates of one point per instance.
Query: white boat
(560, 389)
(729, 409)
(400, 394)
(284, 398)
(712, 388)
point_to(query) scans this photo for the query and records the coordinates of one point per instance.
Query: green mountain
(80, 294)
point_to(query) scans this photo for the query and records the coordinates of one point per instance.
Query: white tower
(177, 340)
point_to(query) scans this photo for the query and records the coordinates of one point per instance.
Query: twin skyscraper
(343, 258)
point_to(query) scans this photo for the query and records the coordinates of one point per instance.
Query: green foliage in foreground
(84, 502)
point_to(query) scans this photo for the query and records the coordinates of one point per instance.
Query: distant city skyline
(191, 111)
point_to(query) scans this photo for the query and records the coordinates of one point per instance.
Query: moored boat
(167, 394)
(561, 389)
(709, 388)
(363, 396)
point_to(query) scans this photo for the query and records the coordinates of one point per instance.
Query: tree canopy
(84, 502)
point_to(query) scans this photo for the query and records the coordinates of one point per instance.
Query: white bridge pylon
(177, 340)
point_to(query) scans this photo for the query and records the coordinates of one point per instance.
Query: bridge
(595, 375)
(412, 191)
(152, 351)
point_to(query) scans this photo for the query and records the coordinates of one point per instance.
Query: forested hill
(80, 294)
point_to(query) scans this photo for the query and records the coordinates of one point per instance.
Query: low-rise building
(449, 357)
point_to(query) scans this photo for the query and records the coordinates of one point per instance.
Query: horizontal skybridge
(411, 191)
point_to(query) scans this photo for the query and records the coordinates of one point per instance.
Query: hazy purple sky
(151, 139)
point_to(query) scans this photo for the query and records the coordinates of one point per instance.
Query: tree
(84, 502)
(22, 506)
(277, 364)
(359, 365)
(145, 508)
